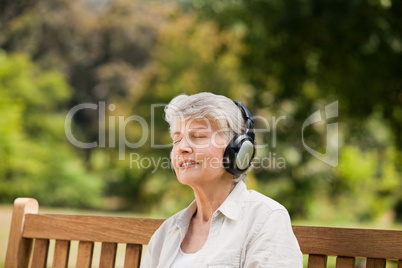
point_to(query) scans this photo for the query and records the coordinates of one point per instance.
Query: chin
(187, 180)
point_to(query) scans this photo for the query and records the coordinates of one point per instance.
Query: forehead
(204, 124)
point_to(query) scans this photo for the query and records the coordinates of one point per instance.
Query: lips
(188, 163)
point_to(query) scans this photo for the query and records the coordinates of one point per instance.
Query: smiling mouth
(188, 164)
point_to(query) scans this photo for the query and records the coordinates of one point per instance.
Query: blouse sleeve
(153, 251)
(274, 244)
(147, 260)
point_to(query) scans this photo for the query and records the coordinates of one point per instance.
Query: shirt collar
(230, 208)
(184, 218)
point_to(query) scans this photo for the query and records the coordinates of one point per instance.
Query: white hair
(209, 106)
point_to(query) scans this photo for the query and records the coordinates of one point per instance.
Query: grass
(5, 220)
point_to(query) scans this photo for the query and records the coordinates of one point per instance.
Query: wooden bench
(30, 233)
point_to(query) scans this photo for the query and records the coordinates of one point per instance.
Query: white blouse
(184, 260)
(248, 230)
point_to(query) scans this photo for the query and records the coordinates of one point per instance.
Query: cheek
(221, 143)
(218, 143)
(174, 159)
(214, 158)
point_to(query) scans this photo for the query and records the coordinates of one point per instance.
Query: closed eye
(176, 141)
(194, 136)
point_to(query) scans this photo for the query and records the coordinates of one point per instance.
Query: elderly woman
(226, 225)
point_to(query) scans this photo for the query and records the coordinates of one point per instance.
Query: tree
(299, 56)
(101, 48)
(182, 63)
(35, 159)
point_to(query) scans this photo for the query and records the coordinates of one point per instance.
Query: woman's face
(198, 147)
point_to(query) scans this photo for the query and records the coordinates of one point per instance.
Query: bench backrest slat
(61, 253)
(85, 252)
(317, 261)
(350, 242)
(345, 262)
(133, 256)
(90, 228)
(375, 263)
(40, 252)
(108, 255)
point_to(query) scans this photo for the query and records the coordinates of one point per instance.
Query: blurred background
(284, 60)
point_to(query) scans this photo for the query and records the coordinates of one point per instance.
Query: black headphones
(241, 149)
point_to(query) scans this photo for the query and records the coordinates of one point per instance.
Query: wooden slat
(350, 242)
(317, 261)
(19, 249)
(84, 257)
(91, 228)
(133, 256)
(61, 253)
(400, 264)
(108, 255)
(39, 258)
(375, 263)
(345, 262)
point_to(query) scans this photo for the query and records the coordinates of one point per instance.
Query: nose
(183, 146)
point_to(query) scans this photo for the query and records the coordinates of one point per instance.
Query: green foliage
(367, 187)
(35, 160)
(348, 50)
(101, 48)
(300, 55)
(182, 63)
(279, 58)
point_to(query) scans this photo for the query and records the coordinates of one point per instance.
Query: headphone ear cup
(229, 158)
(245, 155)
(238, 154)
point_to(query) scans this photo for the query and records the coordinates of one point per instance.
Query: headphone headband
(248, 118)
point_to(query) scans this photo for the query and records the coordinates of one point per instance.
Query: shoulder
(265, 215)
(169, 224)
(178, 221)
(168, 230)
(164, 240)
(271, 231)
(258, 201)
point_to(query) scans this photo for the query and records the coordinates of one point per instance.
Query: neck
(210, 197)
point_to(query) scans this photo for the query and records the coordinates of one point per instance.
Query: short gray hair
(209, 106)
